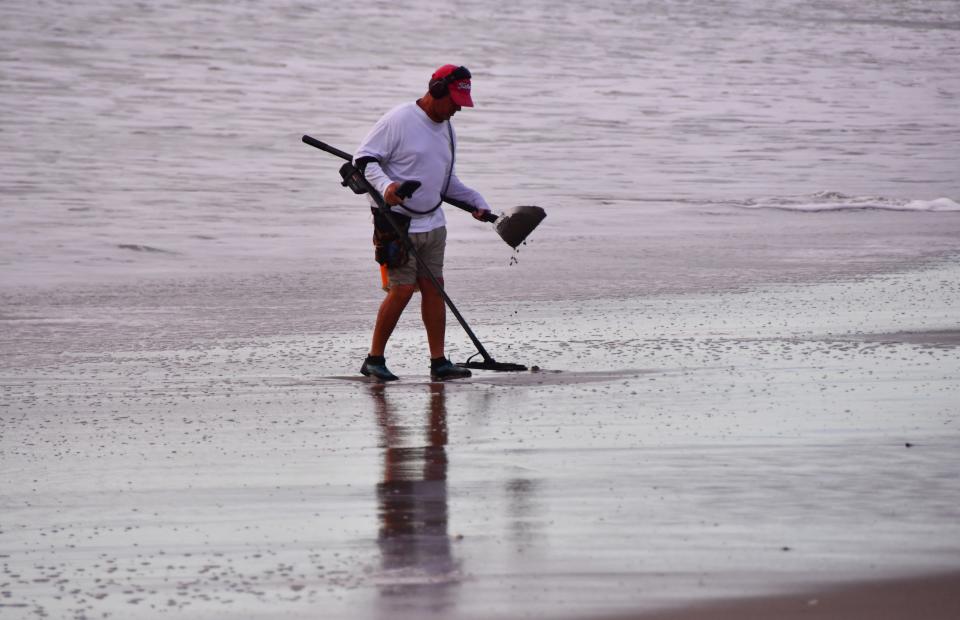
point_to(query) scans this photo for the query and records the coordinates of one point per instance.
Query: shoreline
(735, 250)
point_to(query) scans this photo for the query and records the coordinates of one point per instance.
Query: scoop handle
(487, 217)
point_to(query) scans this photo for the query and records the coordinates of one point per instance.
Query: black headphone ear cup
(439, 88)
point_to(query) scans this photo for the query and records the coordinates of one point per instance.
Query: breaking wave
(835, 201)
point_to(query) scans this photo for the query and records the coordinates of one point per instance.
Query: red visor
(459, 89)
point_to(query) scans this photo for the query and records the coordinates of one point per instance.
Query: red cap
(459, 89)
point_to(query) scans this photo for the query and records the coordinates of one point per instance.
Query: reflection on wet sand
(419, 572)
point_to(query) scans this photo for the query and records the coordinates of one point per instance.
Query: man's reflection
(415, 549)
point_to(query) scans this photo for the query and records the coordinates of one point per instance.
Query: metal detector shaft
(385, 210)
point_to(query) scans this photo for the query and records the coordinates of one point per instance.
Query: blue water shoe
(442, 369)
(376, 366)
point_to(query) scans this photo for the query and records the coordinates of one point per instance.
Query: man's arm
(376, 147)
(458, 190)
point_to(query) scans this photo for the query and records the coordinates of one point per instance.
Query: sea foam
(835, 201)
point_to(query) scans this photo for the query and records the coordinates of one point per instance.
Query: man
(415, 141)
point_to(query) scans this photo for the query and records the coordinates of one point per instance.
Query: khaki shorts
(429, 246)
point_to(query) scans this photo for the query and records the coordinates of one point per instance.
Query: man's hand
(479, 213)
(390, 196)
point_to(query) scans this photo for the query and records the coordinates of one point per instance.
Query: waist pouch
(389, 247)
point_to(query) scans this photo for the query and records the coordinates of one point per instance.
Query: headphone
(441, 88)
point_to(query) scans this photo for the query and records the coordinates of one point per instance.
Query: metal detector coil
(494, 365)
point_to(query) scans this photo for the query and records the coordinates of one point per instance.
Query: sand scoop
(513, 227)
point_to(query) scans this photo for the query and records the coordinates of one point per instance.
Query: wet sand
(673, 451)
(933, 338)
(931, 597)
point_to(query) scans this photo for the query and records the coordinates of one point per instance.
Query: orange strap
(384, 279)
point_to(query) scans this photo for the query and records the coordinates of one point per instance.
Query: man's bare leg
(389, 314)
(434, 314)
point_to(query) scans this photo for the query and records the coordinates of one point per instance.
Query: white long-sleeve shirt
(409, 146)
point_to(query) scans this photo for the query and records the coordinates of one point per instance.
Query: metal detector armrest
(352, 178)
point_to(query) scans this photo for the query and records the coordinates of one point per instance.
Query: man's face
(446, 108)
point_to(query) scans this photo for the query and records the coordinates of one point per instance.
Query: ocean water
(144, 140)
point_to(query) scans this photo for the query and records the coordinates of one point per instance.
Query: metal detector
(355, 177)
